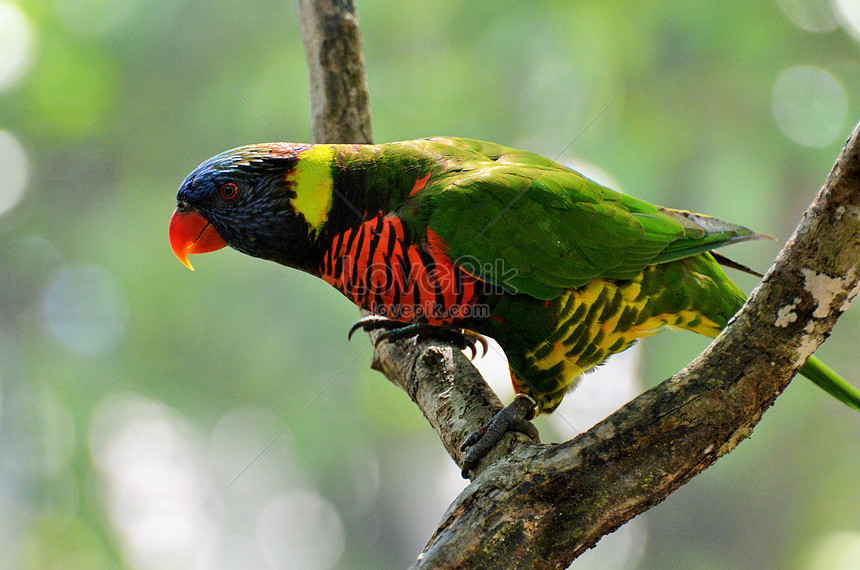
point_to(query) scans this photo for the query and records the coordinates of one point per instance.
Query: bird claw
(463, 339)
(393, 331)
(374, 322)
(515, 416)
(475, 337)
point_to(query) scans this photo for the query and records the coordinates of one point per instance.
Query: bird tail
(829, 381)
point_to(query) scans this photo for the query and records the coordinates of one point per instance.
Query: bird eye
(229, 191)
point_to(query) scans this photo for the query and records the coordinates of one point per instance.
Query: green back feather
(539, 228)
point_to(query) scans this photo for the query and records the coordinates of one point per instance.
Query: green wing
(528, 224)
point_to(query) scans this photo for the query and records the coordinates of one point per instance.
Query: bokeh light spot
(85, 309)
(236, 443)
(848, 12)
(158, 494)
(809, 105)
(16, 42)
(292, 527)
(838, 551)
(810, 15)
(14, 166)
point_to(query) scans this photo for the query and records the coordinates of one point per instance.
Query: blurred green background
(151, 417)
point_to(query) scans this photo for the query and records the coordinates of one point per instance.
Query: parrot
(461, 239)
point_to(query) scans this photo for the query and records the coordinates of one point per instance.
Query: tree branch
(540, 506)
(340, 106)
(543, 506)
(340, 113)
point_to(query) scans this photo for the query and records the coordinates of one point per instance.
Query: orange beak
(191, 233)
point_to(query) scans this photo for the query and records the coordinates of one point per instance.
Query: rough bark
(540, 506)
(340, 107)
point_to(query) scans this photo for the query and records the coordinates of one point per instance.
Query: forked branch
(540, 506)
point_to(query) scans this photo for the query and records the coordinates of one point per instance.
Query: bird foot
(396, 330)
(513, 417)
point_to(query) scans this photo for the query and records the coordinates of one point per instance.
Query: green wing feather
(539, 228)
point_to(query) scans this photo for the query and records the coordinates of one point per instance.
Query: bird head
(242, 198)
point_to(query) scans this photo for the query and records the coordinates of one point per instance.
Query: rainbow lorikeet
(458, 237)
